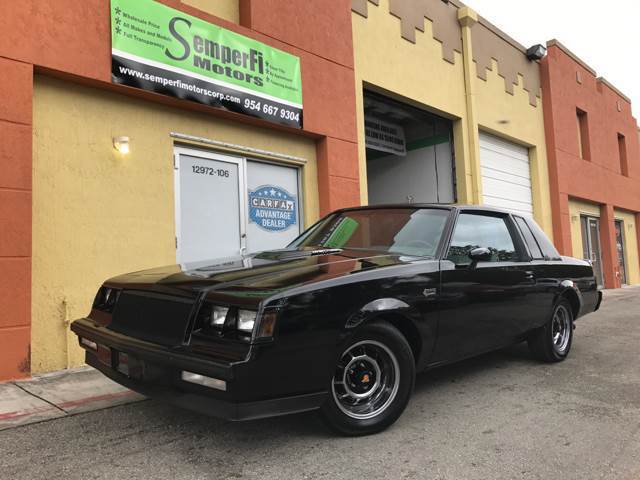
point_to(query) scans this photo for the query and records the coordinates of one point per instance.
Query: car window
(546, 246)
(405, 231)
(529, 239)
(475, 231)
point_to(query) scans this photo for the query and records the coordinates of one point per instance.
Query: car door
(482, 303)
(544, 273)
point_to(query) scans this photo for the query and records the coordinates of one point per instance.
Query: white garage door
(506, 174)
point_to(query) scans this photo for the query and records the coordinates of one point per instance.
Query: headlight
(218, 316)
(246, 321)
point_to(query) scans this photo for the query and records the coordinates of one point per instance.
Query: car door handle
(529, 275)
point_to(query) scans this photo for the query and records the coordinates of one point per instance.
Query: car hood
(251, 278)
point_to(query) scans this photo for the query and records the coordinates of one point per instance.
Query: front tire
(372, 382)
(552, 342)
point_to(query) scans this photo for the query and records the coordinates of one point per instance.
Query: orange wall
(598, 180)
(72, 39)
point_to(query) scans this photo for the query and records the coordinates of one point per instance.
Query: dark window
(529, 239)
(547, 247)
(622, 153)
(583, 134)
(474, 231)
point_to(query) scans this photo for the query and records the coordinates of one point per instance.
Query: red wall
(72, 39)
(599, 180)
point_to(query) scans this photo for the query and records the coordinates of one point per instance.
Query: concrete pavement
(59, 394)
(499, 416)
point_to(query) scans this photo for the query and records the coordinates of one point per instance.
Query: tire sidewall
(391, 337)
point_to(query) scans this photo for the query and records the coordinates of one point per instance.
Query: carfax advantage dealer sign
(163, 50)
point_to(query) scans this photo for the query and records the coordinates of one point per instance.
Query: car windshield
(405, 231)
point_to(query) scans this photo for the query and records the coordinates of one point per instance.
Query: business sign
(272, 208)
(384, 136)
(157, 48)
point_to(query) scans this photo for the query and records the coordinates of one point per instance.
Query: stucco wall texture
(569, 84)
(71, 40)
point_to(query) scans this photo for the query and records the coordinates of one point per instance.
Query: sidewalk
(59, 394)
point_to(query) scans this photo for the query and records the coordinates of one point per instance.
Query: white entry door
(226, 206)
(209, 205)
(273, 205)
(506, 174)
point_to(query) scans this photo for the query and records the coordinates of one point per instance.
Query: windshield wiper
(325, 251)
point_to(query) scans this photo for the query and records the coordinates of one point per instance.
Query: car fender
(375, 308)
(570, 290)
(419, 334)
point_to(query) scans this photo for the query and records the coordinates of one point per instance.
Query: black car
(343, 318)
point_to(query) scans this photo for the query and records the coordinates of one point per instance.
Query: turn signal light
(267, 324)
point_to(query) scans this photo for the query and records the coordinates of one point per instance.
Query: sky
(603, 34)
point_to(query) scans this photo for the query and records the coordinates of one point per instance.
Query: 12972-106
(202, 170)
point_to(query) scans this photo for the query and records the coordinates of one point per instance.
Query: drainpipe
(66, 322)
(467, 19)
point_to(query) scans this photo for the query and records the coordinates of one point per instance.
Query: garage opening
(409, 153)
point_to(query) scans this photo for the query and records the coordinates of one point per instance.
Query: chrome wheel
(366, 380)
(561, 329)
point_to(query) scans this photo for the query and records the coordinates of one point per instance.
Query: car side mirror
(481, 254)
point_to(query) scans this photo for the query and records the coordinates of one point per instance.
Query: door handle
(529, 275)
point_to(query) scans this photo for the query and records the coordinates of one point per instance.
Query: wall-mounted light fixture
(121, 144)
(536, 52)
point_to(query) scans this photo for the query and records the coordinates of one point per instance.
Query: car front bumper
(155, 372)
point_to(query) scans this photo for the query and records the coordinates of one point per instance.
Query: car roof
(479, 208)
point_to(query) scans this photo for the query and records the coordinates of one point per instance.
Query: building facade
(594, 158)
(399, 101)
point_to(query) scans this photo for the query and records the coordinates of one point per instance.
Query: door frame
(240, 162)
(589, 239)
(623, 277)
(243, 193)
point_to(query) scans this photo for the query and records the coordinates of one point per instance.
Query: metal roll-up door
(506, 174)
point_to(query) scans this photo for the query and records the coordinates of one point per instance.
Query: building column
(608, 247)
(562, 225)
(467, 19)
(637, 222)
(338, 174)
(16, 93)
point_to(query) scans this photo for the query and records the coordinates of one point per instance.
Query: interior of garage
(409, 153)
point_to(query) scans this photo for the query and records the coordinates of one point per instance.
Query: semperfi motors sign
(160, 49)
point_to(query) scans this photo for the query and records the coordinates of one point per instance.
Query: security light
(536, 52)
(121, 144)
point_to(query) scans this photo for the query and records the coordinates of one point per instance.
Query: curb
(59, 394)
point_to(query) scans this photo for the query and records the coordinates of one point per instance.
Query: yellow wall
(418, 73)
(227, 9)
(97, 214)
(630, 246)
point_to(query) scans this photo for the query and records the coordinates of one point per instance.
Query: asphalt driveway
(500, 416)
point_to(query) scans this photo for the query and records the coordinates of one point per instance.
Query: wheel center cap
(361, 378)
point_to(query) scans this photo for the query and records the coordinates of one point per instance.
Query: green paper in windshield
(342, 233)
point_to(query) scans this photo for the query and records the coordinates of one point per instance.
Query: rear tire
(552, 342)
(372, 382)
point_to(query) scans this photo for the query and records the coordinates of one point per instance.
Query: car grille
(153, 317)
